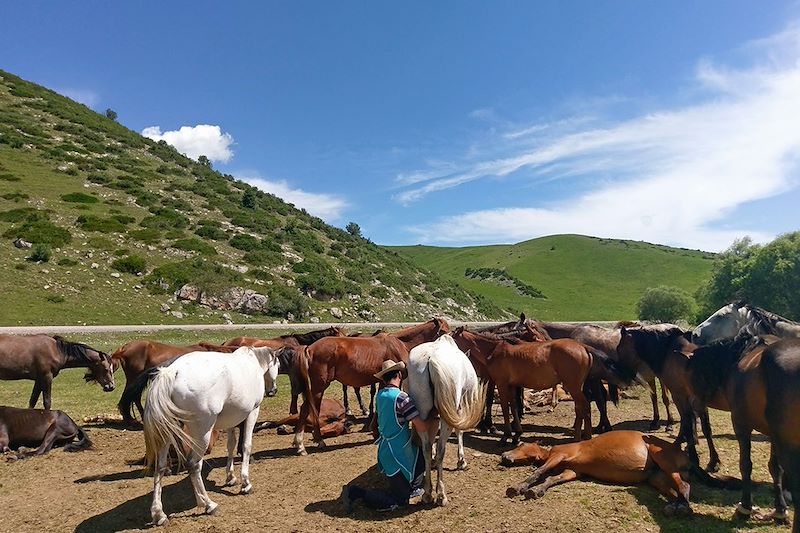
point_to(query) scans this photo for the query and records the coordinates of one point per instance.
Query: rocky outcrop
(238, 299)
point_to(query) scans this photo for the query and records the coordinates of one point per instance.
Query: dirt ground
(98, 490)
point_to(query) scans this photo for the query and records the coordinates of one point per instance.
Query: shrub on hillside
(15, 196)
(147, 235)
(164, 218)
(132, 264)
(79, 198)
(194, 245)
(205, 275)
(102, 225)
(40, 254)
(40, 232)
(67, 262)
(666, 304)
(245, 243)
(211, 232)
(284, 300)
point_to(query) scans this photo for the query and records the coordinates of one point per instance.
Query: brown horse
(332, 416)
(353, 361)
(540, 365)
(41, 358)
(138, 356)
(39, 427)
(298, 341)
(607, 340)
(619, 457)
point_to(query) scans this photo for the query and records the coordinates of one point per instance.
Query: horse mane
(652, 344)
(766, 321)
(77, 350)
(711, 365)
(312, 336)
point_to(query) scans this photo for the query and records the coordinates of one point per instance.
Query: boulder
(188, 292)
(336, 313)
(20, 243)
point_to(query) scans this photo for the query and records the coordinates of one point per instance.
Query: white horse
(441, 376)
(199, 392)
(726, 322)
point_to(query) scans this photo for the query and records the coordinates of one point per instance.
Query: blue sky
(456, 123)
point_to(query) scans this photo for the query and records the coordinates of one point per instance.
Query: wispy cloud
(673, 173)
(85, 96)
(194, 141)
(328, 207)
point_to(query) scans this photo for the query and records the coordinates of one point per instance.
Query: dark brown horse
(354, 361)
(619, 457)
(540, 365)
(298, 341)
(40, 358)
(138, 356)
(39, 427)
(607, 340)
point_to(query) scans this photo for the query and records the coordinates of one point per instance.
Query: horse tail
(461, 413)
(83, 442)
(135, 391)
(117, 358)
(613, 393)
(611, 371)
(304, 360)
(163, 420)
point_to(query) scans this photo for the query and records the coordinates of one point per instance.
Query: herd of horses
(742, 359)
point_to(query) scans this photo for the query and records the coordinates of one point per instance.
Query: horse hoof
(743, 511)
(427, 498)
(462, 465)
(533, 494)
(512, 492)
(161, 520)
(712, 468)
(246, 489)
(441, 500)
(231, 481)
(211, 509)
(322, 445)
(301, 451)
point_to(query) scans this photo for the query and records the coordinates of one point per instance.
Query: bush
(194, 245)
(132, 264)
(40, 232)
(284, 300)
(211, 232)
(205, 275)
(55, 298)
(102, 225)
(666, 304)
(246, 243)
(67, 262)
(147, 236)
(15, 196)
(79, 198)
(41, 254)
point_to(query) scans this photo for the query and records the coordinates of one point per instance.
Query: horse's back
(780, 363)
(24, 357)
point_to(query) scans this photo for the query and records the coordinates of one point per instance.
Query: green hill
(126, 222)
(581, 278)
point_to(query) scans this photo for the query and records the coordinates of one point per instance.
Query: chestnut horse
(138, 356)
(41, 358)
(540, 365)
(607, 340)
(333, 421)
(619, 457)
(353, 361)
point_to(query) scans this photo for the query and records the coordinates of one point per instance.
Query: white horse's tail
(460, 413)
(163, 420)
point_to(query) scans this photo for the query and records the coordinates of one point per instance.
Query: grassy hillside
(127, 221)
(582, 278)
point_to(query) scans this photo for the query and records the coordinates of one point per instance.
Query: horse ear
(522, 317)
(623, 331)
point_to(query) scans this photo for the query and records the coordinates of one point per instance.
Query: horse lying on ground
(620, 457)
(41, 358)
(446, 391)
(332, 419)
(40, 427)
(197, 393)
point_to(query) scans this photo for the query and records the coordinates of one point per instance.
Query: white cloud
(194, 141)
(84, 96)
(328, 207)
(669, 175)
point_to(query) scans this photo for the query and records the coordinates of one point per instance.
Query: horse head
(525, 454)
(270, 362)
(725, 323)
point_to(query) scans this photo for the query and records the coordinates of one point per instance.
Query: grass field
(583, 278)
(98, 490)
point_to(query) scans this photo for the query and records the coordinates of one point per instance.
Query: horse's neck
(788, 329)
(558, 330)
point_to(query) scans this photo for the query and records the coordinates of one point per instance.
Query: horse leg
(194, 464)
(372, 390)
(776, 470)
(230, 477)
(462, 459)
(674, 488)
(347, 411)
(317, 399)
(357, 390)
(427, 436)
(515, 410)
(300, 428)
(519, 397)
(47, 389)
(743, 433)
(247, 449)
(713, 456)
(444, 434)
(539, 490)
(37, 390)
(160, 468)
(601, 400)
(50, 436)
(651, 382)
(550, 464)
(583, 415)
(505, 404)
(486, 425)
(665, 399)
